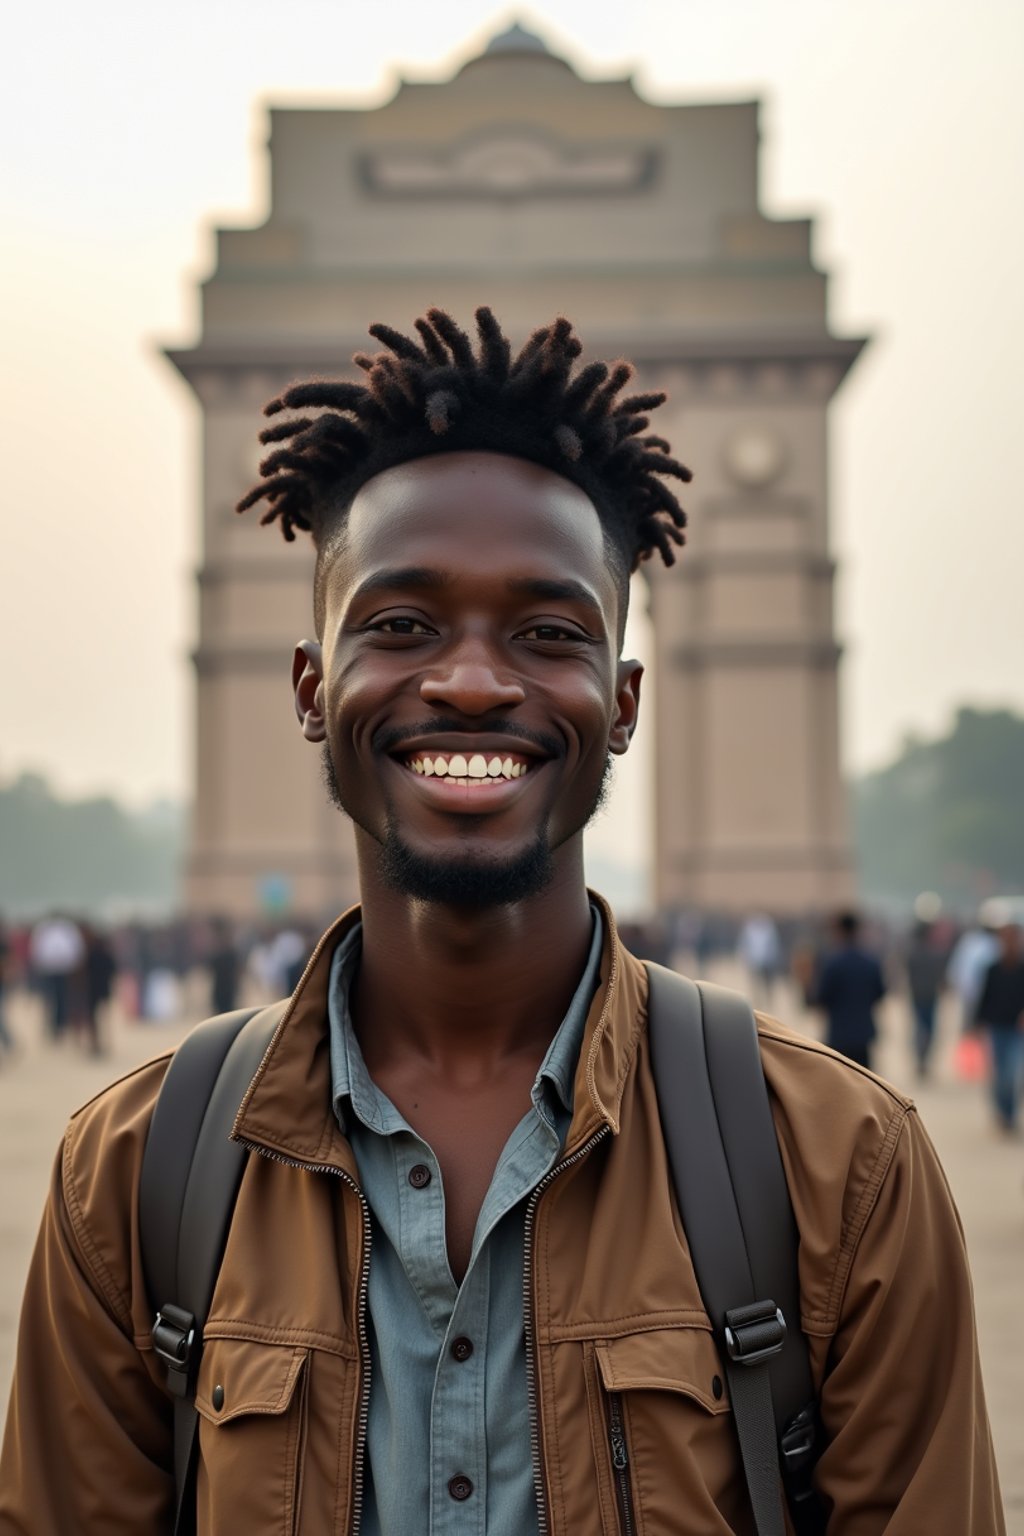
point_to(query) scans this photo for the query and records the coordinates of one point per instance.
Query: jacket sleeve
(908, 1445)
(87, 1447)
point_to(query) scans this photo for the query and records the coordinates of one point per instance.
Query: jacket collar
(287, 1108)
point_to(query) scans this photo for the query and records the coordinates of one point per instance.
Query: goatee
(463, 882)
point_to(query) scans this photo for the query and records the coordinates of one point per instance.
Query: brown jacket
(614, 1312)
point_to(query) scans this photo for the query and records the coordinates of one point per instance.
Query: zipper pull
(620, 1455)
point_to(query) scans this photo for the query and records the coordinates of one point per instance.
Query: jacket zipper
(531, 1374)
(363, 1417)
(620, 1465)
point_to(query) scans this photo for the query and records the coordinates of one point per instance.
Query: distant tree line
(946, 816)
(89, 856)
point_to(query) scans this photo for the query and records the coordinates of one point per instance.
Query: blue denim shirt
(448, 1438)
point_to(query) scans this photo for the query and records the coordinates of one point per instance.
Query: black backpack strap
(738, 1219)
(191, 1171)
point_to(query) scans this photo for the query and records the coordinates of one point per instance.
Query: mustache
(387, 738)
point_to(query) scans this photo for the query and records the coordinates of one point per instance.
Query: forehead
(477, 514)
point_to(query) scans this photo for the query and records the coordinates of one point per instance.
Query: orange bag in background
(970, 1059)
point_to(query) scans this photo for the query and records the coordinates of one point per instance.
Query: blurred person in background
(849, 986)
(1000, 1011)
(56, 954)
(100, 969)
(972, 955)
(924, 962)
(760, 950)
(225, 966)
(286, 958)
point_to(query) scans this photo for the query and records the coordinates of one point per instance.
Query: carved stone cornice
(814, 856)
(737, 562)
(210, 659)
(509, 162)
(698, 655)
(721, 366)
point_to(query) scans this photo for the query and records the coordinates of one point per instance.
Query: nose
(469, 680)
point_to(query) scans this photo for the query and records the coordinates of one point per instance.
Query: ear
(308, 683)
(627, 706)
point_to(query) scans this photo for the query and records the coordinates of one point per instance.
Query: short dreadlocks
(439, 396)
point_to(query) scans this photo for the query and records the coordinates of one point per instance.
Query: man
(925, 964)
(456, 1295)
(849, 986)
(973, 953)
(760, 949)
(224, 964)
(1000, 1011)
(56, 953)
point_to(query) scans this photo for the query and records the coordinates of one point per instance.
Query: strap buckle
(175, 1340)
(797, 1439)
(754, 1333)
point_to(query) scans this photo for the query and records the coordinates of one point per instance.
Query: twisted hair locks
(439, 395)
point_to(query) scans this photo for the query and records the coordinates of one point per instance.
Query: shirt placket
(458, 1424)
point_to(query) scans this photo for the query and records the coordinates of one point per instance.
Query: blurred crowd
(841, 968)
(154, 973)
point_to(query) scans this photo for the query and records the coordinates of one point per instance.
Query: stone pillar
(265, 840)
(751, 810)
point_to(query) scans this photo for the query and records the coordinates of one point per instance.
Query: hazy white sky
(130, 131)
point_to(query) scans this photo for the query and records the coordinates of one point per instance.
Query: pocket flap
(243, 1376)
(665, 1360)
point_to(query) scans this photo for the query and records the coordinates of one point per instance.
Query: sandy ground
(42, 1084)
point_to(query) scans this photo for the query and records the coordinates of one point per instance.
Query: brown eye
(401, 624)
(550, 632)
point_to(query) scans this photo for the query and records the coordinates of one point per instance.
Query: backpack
(730, 1188)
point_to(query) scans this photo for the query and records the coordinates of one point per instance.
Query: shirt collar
(354, 1090)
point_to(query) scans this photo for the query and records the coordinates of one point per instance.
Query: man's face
(467, 688)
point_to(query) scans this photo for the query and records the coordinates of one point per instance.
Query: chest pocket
(664, 1450)
(251, 1399)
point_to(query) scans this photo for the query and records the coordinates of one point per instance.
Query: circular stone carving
(755, 456)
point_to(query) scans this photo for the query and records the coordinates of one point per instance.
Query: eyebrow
(554, 591)
(418, 576)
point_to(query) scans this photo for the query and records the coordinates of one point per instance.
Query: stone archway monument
(520, 184)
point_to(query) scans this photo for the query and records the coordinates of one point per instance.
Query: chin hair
(463, 882)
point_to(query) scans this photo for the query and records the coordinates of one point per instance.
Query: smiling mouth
(476, 771)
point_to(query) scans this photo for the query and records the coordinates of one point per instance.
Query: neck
(450, 985)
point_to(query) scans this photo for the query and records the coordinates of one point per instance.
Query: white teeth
(474, 771)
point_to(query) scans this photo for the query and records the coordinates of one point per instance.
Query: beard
(472, 881)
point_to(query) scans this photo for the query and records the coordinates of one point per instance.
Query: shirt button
(420, 1176)
(460, 1488)
(462, 1348)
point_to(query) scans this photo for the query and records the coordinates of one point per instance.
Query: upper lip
(469, 743)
